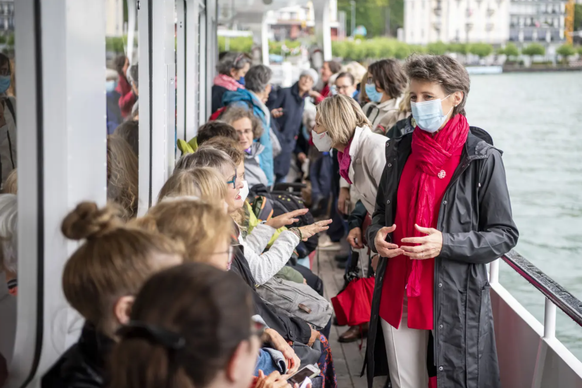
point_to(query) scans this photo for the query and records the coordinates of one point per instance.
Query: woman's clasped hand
(426, 247)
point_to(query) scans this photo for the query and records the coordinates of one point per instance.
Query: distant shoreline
(540, 69)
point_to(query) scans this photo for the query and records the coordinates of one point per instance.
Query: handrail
(553, 291)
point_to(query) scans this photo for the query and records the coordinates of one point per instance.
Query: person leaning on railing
(442, 212)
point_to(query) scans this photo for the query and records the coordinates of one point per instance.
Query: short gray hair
(206, 157)
(444, 70)
(232, 60)
(257, 78)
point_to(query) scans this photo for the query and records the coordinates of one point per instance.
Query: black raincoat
(477, 226)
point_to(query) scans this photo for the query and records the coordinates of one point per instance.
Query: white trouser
(406, 350)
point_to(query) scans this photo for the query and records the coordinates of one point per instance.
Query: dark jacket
(217, 92)
(476, 221)
(288, 125)
(113, 112)
(83, 364)
(291, 328)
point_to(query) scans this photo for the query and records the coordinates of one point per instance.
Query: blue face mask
(110, 86)
(4, 83)
(373, 94)
(429, 115)
(242, 81)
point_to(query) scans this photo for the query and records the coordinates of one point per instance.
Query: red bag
(353, 305)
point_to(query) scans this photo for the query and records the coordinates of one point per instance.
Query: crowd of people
(212, 287)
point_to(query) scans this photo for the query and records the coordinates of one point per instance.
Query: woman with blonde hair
(100, 281)
(201, 182)
(341, 124)
(122, 175)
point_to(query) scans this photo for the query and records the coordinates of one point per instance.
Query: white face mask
(322, 141)
(244, 192)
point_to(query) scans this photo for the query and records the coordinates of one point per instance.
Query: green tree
(580, 50)
(459, 48)
(534, 49)
(565, 51)
(510, 50)
(437, 48)
(375, 15)
(577, 17)
(482, 50)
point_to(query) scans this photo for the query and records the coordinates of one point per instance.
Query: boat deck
(348, 359)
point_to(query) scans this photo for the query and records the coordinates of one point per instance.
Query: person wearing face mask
(442, 213)
(7, 121)
(384, 87)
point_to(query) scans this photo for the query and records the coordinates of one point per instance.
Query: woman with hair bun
(197, 333)
(99, 281)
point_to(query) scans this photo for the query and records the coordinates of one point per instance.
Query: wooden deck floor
(348, 358)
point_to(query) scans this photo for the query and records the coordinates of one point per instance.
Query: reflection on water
(536, 119)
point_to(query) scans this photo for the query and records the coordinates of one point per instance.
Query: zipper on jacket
(466, 162)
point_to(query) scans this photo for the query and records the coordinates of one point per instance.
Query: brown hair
(227, 145)
(206, 309)
(388, 76)
(122, 175)
(363, 96)
(235, 113)
(200, 226)
(11, 183)
(340, 115)
(442, 69)
(202, 182)
(114, 261)
(206, 157)
(129, 131)
(213, 129)
(334, 66)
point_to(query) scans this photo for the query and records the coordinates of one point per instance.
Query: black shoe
(342, 258)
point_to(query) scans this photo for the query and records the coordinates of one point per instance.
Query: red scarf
(227, 82)
(431, 154)
(345, 160)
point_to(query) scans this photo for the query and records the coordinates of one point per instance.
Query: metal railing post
(494, 272)
(549, 320)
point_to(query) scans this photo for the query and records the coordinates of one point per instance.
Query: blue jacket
(289, 124)
(246, 99)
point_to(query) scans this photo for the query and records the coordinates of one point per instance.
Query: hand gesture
(274, 380)
(311, 230)
(384, 248)
(286, 219)
(344, 196)
(355, 238)
(429, 247)
(276, 113)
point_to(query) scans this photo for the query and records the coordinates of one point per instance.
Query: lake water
(536, 119)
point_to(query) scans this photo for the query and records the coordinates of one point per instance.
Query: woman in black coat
(442, 213)
(287, 106)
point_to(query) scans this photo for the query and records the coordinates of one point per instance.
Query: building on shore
(537, 21)
(462, 21)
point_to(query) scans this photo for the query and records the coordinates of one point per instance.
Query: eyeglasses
(233, 181)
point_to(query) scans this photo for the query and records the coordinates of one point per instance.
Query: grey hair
(444, 70)
(257, 78)
(232, 60)
(206, 157)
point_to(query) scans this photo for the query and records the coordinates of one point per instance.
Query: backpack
(265, 204)
(298, 300)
